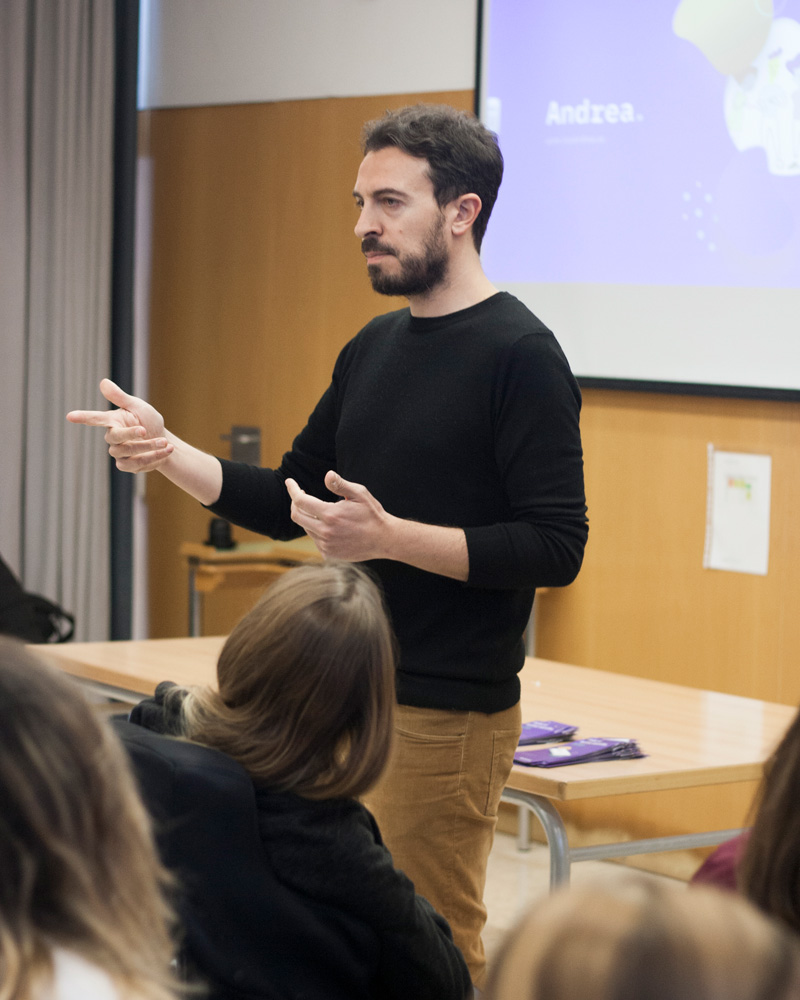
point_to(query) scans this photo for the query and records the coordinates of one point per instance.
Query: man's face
(400, 225)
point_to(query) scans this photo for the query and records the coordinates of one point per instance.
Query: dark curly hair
(462, 154)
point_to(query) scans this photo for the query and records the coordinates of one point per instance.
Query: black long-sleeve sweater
(468, 420)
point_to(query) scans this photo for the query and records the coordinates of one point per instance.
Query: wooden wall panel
(644, 605)
(257, 282)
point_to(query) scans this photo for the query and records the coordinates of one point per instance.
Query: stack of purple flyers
(545, 732)
(579, 752)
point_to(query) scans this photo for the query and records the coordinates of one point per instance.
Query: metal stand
(562, 855)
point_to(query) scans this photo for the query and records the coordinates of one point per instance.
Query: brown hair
(306, 685)
(769, 870)
(462, 154)
(642, 939)
(78, 869)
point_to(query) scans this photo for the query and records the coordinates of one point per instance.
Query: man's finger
(341, 487)
(136, 434)
(304, 503)
(129, 447)
(125, 416)
(115, 395)
(96, 418)
(293, 488)
(144, 462)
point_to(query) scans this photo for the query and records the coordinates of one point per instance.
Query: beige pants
(436, 807)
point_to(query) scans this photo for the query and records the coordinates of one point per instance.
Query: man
(445, 453)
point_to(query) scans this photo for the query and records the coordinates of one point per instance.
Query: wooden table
(693, 738)
(129, 671)
(250, 564)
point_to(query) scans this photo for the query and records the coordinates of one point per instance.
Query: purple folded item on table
(580, 752)
(545, 732)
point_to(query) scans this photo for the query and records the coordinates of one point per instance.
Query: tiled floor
(516, 879)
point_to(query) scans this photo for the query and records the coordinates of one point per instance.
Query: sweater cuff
(483, 548)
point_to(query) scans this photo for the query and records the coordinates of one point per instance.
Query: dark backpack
(29, 616)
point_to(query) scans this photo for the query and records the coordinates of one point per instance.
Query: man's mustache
(372, 245)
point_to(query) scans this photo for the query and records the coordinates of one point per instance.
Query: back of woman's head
(649, 941)
(306, 685)
(769, 871)
(78, 869)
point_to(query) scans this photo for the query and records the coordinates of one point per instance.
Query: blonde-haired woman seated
(637, 938)
(304, 704)
(82, 915)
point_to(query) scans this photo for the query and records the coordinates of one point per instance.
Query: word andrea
(587, 113)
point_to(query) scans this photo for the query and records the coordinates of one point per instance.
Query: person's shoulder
(528, 355)
(521, 338)
(382, 323)
(721, 866)
(326, 848)
(517, 320)
(76, 979)
(320, 815)
(391, 318)
(373, 336)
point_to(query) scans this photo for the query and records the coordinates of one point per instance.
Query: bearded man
(446, 455)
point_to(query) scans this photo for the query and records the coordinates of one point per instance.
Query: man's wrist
(435, 549)
(394, 534)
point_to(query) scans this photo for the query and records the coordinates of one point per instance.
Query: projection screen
(650, 209)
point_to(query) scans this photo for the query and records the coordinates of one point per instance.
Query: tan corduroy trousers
(436, 806)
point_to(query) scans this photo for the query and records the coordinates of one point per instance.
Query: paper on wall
(737, 512)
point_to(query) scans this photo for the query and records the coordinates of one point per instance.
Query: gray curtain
(56, 168)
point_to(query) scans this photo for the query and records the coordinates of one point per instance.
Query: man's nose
(367, 224)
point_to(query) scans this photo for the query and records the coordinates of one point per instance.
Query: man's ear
(467, 208)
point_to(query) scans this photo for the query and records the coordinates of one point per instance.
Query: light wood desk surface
(691, 737)
(137, 666)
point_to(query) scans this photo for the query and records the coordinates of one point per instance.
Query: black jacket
(280, 896)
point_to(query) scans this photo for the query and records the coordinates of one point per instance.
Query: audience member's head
(306, 685)
(769, 869)
(637, 939)
(79, 876)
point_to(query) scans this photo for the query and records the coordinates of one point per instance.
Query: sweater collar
(430, 324)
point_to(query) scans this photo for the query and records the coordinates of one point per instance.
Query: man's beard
(419, 274)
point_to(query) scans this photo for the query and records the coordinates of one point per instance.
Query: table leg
(523, 828)
(653, 845)
(195, 605)
(554, 831)
(562, 855)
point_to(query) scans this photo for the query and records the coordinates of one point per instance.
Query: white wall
(202, 52)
